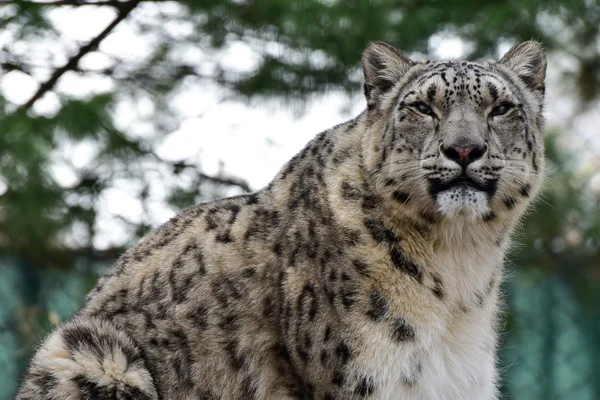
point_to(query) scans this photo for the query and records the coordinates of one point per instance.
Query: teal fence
(551, 344)
(550, 348)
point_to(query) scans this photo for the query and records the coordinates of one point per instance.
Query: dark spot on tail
(92, 390)
(43, 381)
(77, 336)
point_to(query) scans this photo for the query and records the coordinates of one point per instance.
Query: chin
(463, 201)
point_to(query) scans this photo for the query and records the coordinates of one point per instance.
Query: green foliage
(339, 30)
(561, 236)
(35, 210)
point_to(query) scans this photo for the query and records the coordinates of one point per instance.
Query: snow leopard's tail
(88, 359)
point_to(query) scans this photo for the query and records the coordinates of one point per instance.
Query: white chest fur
(453, 356)
(458, 364)
(454, 362)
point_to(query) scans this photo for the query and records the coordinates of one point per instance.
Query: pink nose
(464, 155)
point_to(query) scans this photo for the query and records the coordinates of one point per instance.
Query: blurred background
(116, 114)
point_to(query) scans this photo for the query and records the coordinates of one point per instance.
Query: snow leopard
(369, 268)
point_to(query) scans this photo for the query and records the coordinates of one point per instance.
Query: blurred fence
(551, 343)
(550, 347)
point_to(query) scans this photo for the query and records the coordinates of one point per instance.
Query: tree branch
(221, 180)
(179, 166)
(114, 3)
(76, 3)
(124, 10)
(9, 66)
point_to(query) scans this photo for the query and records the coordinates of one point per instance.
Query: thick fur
(362, 271)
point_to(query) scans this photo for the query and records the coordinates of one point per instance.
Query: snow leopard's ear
(383, 65)
(528, 61)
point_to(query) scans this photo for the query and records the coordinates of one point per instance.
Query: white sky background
(247, 141)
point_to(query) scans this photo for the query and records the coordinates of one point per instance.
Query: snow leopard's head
(455, 139)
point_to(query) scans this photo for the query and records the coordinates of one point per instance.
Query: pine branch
(124, 10)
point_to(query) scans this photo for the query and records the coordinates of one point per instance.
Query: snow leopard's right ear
(528, 61)
(383, 65)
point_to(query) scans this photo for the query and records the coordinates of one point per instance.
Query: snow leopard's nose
(464, 154)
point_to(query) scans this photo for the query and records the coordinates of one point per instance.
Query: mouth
(463, 182)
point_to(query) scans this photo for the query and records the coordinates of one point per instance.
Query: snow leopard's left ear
(528, 61)
(383, 65)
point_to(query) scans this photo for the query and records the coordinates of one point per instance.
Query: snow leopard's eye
(423, 108)
(501, 109)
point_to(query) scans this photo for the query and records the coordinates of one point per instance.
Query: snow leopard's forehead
(455, 83)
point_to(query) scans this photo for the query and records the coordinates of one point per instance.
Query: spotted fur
(368, 268)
